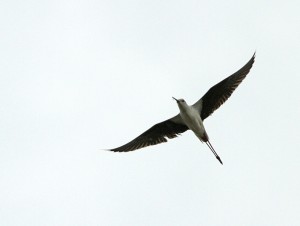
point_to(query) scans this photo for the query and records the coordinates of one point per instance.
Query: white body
(192, 119)
(190, 115)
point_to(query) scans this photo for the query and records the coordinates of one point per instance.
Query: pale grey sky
(78, 76)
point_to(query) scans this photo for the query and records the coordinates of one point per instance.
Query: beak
(175, 99)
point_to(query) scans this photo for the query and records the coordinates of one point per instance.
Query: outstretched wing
(220, 92)
(155, 135)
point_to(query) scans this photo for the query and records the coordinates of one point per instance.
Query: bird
(191, 117)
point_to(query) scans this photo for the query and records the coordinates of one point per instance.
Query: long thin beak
(175, 99)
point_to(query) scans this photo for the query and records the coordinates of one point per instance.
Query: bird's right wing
(155, 135)
(220, 92)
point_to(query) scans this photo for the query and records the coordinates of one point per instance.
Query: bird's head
(180, 102)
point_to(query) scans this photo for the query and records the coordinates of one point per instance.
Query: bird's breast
(192, 119)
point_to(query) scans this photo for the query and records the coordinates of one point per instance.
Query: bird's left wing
(155, 135)
(220, 92)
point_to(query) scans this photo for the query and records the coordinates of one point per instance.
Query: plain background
(80, 76)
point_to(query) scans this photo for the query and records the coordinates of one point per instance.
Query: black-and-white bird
(190, 116)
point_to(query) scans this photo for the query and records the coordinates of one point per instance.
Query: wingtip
(102, 149)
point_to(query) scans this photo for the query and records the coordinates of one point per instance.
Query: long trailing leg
(213, 151)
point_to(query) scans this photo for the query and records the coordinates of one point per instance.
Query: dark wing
(155, 135)
(219, 93)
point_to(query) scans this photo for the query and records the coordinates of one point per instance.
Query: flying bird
(191, 116)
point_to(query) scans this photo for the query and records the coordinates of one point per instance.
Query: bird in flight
(191, 116)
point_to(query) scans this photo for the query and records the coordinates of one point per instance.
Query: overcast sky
(80, 76)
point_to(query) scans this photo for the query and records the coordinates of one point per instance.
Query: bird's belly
(195, 124)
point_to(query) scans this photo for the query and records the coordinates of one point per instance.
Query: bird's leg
(213, 151)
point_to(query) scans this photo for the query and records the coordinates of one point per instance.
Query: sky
(77, 77)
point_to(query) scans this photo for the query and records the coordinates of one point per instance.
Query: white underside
(192, 119)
